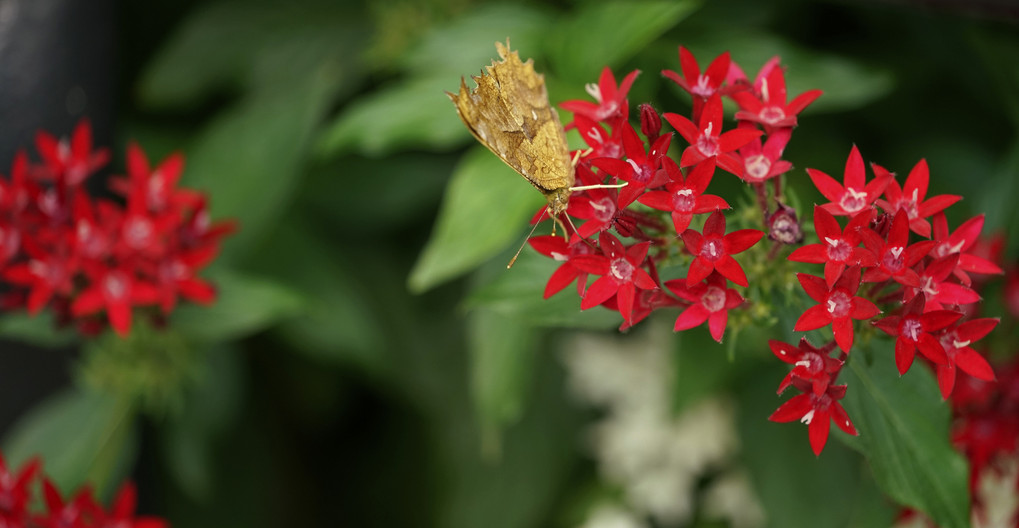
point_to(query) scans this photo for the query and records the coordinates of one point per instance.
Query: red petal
(863, 309)
(624, 301)
(794, 409)
(89, 301)
(642, 280)
(972, 363)
(716, 324)
(917, 180)
(660, 200)
(841, 419)
(814, 286)
(561, 278)
(709, 203)
(742, 240)
(717, 70)
(715, 224)
(905, 351)
(594, 264)
(684, 126)
(700, 268)
(691, 317)
(946, 379)
(843, 330)
(784, 351)
(802, 101)
(813, 318)
(826, 185)
(119, 314)
(826, 225)
(951, 293)
(811, 253)
(731, 270)
(818, 430)
(691, 70)
(700, 176)
(855, 175)
(602, 290)
(937, 204)
(931, 348)
(734, 139)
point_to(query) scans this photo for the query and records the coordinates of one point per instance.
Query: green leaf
(38, 330)
(81, 436)
(485, 209)
(227, 44)
(904, 433)
(245, 305)
(248, 159)
(519, 293)
(467, 43)
(603, 34)
(502, 359)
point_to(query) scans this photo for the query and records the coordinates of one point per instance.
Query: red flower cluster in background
(94, 260)
(79, 511)
(882, 266)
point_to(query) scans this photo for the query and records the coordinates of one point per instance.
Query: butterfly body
(509, 113)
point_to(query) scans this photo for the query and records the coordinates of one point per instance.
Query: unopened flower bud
(784, 226)
(650, 122)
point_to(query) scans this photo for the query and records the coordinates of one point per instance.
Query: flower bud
(784, 226)
(650, 122)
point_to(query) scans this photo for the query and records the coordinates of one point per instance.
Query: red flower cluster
(93, 260)
(924, 284)
(79, 511)
(626, 275)
(895, 254)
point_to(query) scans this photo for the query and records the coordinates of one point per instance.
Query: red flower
(838, 306)
(956, 341)
(700, 86)
(961, 241)
(817, 411)
(611, 98)
(707, 140)
(761, 163)
(45, 274)
(936, 291)
(597, 206)
(713, 250)
(711, 302)
(837, 247)
(600, 143)
(116, 290)
(895, 259)
(911, 198)
(59, 514)
(639, 169)
(914, 329)
(811, 364)
(770, 108)
(857, 193)
(685, 196)
(70, 164)
(121, 513)
(621, 274)
(557, 249)
(15, 492)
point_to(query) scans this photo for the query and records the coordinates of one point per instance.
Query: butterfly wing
(510, 114)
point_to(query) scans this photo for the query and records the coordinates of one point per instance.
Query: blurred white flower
(731, 498)
(612, 517)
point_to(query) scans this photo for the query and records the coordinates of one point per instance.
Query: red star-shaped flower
(810, 364)
(700, 85)
(856, 193)
(713, 250)
(817, 411)
(711, 302)
(15, 492)
(611, 99)
(914, 330)
(117, 290)
(621, 274)
(937, 291)
(557, 249)
(838, 306)
(685, 197)
(763, 162)
(71, 163)
(956, 342)
(895, 257)
(640, 170)
(770, 108)
(961, 241)
(837, 247)
(912, 198)
(707, 139)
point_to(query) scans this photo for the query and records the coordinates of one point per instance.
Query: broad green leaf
(209, 409)
(245, 305)
(904, 433)
(608, 33)
(485, 209)
(797, 489)
(337, 324)
(81, 436)
(414, 113)
(249, 158)
(519, 293)
(467, 44)
(227, 44)
(502, 360)
(701, 367)
(846, 83)
(38, 330)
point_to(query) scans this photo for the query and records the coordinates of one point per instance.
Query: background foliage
(370, 362)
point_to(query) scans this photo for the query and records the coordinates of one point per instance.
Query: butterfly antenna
(528, 237)
(599, 186)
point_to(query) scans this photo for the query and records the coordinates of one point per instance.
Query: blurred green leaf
(486, 207)
(467, 44)
(846, 83)
(245, 305)
(414, 113)
(797, 489)
(502, 359)
(81, 436)
(249, 158)
(210, 408)
(903, 425)
(701, 367)
(227, 44)
(519, 293)
(603, 34)
(336, 324)
(38, 330)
